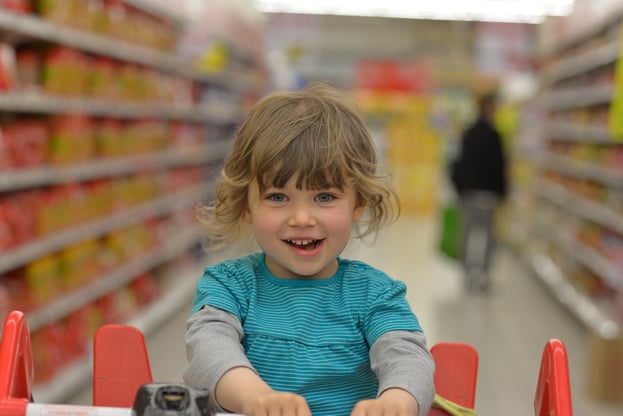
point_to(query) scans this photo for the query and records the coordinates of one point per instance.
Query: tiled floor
(509, 326)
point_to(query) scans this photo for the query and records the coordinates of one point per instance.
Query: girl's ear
(246, 215)
(358, 211)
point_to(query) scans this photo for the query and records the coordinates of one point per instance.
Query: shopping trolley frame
(121, 366)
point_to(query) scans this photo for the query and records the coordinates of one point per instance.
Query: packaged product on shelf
(145, 289)
(72, 139)
(14, 283)
(79, 263)
(43, 278)
(20, 6)
(54, 211)
(7, 67)
(59, 11)
(28, 72)
(110, 136)
(18, 218)
(102, 81)
(65, 71)
(25, 142)
(46, 359)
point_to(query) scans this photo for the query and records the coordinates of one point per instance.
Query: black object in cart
(160, 399)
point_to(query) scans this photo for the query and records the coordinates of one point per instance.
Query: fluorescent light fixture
(524, 11)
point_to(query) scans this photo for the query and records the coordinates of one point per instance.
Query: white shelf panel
(581, 63)
(584, 170)
(579, 132)
(579, 97)
(580, 207)
(580, 305)
(589, 258)
(53, 175)
(34, 102)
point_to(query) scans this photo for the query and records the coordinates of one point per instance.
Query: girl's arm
(241, 390)
(217, 362)
(212, 347)
(403, 364)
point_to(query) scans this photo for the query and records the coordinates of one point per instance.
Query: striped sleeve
(388, 310)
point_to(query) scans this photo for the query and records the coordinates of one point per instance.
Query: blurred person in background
(480, 178)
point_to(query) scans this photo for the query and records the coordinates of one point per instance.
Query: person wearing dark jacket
(480, 178)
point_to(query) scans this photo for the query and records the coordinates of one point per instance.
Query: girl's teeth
(301, 242)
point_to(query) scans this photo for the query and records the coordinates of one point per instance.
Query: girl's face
(302, 231)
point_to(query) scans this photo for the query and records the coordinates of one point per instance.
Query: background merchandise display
(109, 139)
(574, 239)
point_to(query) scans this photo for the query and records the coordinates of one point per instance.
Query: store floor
(509, 326)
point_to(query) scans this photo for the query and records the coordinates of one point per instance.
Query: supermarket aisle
(509, 327)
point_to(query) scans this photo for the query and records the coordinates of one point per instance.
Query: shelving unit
(577, 229)
(141, 280)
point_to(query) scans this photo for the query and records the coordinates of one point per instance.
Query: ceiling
(514, 11)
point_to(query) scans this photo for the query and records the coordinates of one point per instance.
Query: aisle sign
(615, 116)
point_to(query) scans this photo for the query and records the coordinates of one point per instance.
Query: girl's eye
(325, 197)
(276, 197)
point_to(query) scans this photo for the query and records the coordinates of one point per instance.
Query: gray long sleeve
(400, 359)
(212, 347)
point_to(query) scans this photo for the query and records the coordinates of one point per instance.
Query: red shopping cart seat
(456, 373)
(120, 365)
(16, 365)
(553, 390)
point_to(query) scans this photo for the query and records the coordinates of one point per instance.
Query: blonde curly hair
(315, 135)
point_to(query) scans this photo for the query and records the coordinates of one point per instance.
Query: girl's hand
(241, 390)
(276, 404)
(392, 402)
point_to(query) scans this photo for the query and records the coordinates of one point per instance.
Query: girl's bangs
(310, 160)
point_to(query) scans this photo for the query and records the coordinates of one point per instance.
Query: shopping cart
(121, 368)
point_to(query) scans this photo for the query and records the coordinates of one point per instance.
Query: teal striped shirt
(310, 337)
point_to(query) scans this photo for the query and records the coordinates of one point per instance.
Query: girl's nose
(302, 216)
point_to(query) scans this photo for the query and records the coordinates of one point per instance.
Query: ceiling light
(526, 11)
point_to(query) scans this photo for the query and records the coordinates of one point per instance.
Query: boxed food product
(28, 69)
(7, 67)
(20, 6)
(26, 142)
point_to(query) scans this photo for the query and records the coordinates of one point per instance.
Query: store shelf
(156, 10)
(581, 63)
(39, 103)
(206, 112)
(74, 377)
(28, 252)
(114, 280)
(571, 131)
(587, 256)
(54, 175)
(584, 170)
(580, 207)
(580, 305)
(579, 97)
(36, 28)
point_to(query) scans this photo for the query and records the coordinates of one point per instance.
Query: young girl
(295, 329)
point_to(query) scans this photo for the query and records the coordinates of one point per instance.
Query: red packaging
(28, 69)
(145, 289)
(7, 239)
(20, 6)
(7, 67)
(26, 142)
